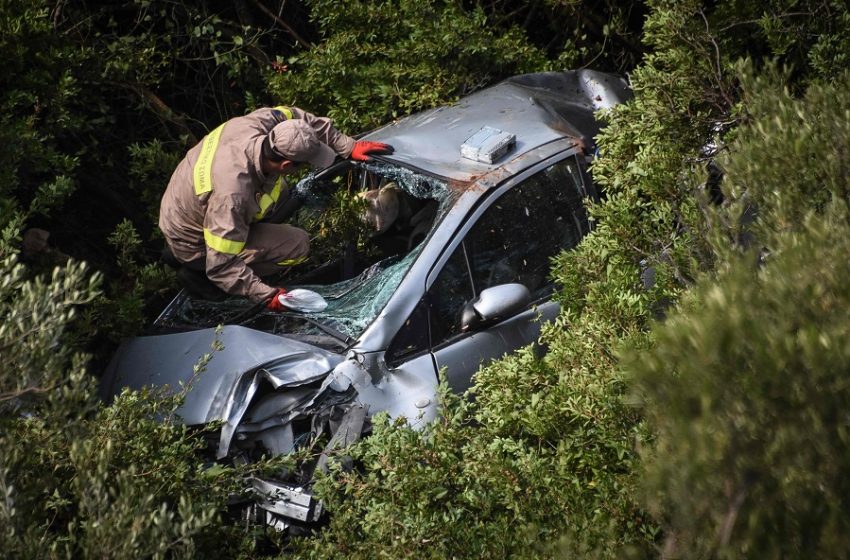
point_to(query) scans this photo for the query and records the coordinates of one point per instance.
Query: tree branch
(289, 29)
(160, 107)
(25, 391)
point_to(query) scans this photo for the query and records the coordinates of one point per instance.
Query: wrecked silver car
(485, 192)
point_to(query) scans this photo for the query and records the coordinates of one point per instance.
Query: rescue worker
(213, 210)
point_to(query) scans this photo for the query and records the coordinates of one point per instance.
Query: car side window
(513, 241)
(452, 289)
(412, 338)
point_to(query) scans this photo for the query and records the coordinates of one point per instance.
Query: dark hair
(270, 153)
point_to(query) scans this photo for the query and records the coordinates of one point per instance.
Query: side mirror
(494, 304)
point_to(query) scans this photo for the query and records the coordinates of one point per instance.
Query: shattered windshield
(356, 274)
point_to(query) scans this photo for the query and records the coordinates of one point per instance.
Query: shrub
(744, 386)
(747, 396)
(81, 480)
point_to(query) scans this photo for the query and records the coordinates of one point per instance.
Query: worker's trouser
(269, 249)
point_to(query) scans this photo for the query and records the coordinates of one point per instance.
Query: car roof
(538, 108)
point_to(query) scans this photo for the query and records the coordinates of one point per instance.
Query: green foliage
(151, 166)
(35, 316)
(80, 480)
(541, 452)
(743, 386)
(587, 34)
(652, 217)
(454, 491)
(117, 484)
(812, 37)
(418, 496)
(120, 312)
(746, 390)
(382, 60)
(789, 160)
(37, 88)
(126, 241)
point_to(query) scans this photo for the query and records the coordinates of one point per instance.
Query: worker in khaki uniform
(213, 209)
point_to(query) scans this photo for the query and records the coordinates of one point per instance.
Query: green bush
(464, 489)
(745, 388)
(37, 88)
(789, 160)
(81, 480)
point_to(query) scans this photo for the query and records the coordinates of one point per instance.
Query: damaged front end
(284, 498)
(272, 396)
(332, 414)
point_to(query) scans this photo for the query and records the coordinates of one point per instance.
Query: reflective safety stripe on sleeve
(268, 199)
(286, 111)
(202, 172)
(223, 245)
(292, 262)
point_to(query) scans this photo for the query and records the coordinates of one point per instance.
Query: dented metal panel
(409, 391)
(231, 376)
(537, 108)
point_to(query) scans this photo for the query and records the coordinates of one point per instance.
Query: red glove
(274, 303)
(363, 148)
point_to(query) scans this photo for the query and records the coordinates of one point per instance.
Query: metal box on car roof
(487, 145)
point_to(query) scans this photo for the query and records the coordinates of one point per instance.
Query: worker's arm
(226, 226)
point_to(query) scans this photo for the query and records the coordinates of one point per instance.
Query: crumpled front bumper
(278, 504)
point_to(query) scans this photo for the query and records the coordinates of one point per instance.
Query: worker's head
(293, 142)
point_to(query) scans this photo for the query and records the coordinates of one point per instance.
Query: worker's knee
(292, 244)
(276, 245)
(300, 242)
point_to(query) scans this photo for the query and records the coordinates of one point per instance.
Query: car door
(510, 238)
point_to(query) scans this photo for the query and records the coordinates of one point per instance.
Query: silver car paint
(231, 376)
(537, 108)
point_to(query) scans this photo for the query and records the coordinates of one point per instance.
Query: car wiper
(328, 330)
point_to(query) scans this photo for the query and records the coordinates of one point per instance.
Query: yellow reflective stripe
(202, 173)
(292, 262)
(286, 111)
(268, 199)
(223, 245)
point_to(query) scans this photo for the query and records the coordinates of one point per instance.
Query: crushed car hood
(230, 378)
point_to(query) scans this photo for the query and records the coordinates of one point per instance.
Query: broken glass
(354, 303)
(417, 185)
